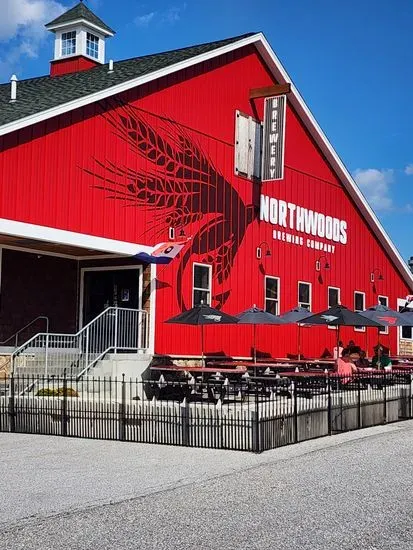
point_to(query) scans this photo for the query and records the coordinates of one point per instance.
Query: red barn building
(102, 161)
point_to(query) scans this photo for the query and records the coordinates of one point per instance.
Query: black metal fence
(239, 413)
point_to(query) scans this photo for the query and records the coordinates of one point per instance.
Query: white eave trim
(75, 22)
(43, 233)
(294, 98)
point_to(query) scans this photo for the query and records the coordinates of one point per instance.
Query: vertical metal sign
(273, 139)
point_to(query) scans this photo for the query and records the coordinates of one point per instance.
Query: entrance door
(103, 289)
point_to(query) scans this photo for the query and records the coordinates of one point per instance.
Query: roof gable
(96, 84)
(80, 11)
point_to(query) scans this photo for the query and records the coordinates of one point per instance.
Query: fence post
(384, 398)
(64, 405)
(185, 422)
(256, 446)
(12, 410)
(295, 413)
(329, 412)
(358, 403)
(122, 411)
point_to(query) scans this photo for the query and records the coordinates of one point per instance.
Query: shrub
(70, 392)
(45, 392)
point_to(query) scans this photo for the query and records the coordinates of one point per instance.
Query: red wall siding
(93, 171)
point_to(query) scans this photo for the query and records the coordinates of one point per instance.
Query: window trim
(386, 329)
(278, 301)
(92, 42)
(359, 329)
(209, 289)
(62, 43)
(401, 303)
(310, 294)
(333, 327)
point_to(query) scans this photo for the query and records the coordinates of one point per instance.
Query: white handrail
(113, 329)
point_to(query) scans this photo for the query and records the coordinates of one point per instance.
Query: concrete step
(132, 365)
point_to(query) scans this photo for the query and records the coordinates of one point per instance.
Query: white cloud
(409, 170)
(22, 30)
(144, 20)
(375, 185)
(169, 16)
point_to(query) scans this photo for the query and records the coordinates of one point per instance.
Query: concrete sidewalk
(328, 493)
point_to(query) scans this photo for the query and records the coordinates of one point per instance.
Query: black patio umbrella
(387, 317)
(202, 315)
(339, 316)
(296, 316)
(256, 316)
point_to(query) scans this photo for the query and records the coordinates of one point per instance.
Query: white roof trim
(294, 98)
(76, 22)
(70, 238)
(124, 86)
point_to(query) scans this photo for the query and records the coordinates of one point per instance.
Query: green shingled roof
(80, 11)
(40, 94)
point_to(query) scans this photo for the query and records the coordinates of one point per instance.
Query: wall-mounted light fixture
(260, 247)
(373, 276)
(318, 263)
(172, 232)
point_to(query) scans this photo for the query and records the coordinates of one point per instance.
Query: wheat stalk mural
(174, 179)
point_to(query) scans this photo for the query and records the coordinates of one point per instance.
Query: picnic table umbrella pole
(256, 316)
(296, 316)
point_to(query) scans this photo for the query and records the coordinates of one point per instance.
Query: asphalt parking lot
(351, 491)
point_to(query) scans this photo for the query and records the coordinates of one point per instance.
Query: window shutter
(241, 143)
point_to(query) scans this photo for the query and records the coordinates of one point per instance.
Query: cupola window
(69, 43)
(92, 45)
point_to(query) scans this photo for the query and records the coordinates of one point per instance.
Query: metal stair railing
(6, 365)
(16, 334)
(112, 330)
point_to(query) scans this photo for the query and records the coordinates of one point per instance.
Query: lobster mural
(174, 179)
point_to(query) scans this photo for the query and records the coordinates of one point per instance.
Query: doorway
(109, 287)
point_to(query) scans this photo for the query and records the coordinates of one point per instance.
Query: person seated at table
(346, 366)
(338, 353)
(362, 362)
(381, 359)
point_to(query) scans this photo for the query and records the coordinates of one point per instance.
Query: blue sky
(352, 61)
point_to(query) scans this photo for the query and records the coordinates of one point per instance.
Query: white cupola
(79, 40)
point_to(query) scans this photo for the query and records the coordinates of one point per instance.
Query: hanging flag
(162, 253)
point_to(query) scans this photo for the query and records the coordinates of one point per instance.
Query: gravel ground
(348, 492)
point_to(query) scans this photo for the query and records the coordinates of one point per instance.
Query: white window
(248, 139)
(333, 299)
(92, 45)
(304, 295)
(272, 295)
(201, 284)
(68, 43)
(333, 296)
(359, 305)
(384, 301)
(405, 333)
